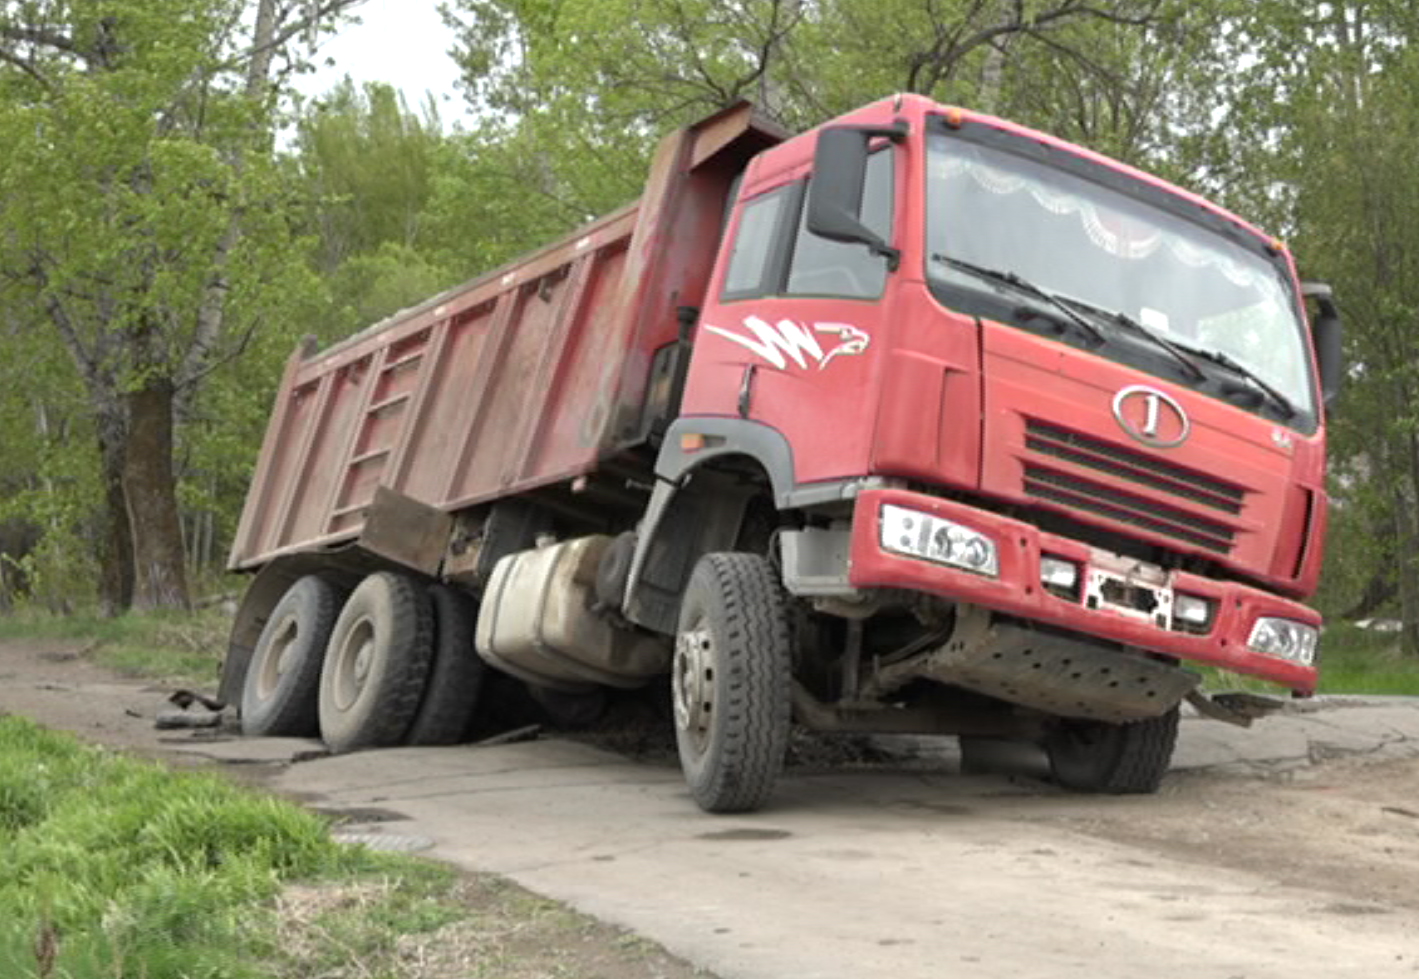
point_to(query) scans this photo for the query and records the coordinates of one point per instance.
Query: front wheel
(1119, 759)
(730, 682)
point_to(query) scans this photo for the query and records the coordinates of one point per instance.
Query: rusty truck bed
(525, 377)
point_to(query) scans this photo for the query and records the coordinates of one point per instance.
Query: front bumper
(1017, 590)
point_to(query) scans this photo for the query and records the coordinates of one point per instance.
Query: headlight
(1294, 641)
(934, 539)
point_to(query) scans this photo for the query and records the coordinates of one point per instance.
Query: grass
(121, 869)
(115, 868)
(1355, 660)
(183, 647)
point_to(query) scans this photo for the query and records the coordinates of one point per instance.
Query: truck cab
(1050, 429)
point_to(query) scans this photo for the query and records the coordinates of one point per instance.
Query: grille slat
(1123, 463)
(1081, 494)
(1161, 497)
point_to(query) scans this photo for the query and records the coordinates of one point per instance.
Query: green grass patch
(116, 868)
(1355, 660)
(185, 647)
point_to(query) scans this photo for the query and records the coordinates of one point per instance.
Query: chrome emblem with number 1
(1151, 417)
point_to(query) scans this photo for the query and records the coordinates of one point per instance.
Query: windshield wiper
(1184, 352)
(1254, 384)
(1179, 352)
(1021, 284)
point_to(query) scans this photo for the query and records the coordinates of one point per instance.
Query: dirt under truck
(919, 421)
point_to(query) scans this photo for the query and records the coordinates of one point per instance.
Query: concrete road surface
(1270, 853)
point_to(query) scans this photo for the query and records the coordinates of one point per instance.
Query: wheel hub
(354, 664)
(362, 663)
(693, 686)
(278, 659)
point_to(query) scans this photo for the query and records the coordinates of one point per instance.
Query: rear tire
(730, 682)
(377, 664)
(283, 680)
(1118, 759)
(455, 676)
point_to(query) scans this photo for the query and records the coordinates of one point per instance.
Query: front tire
(730, 682)
(377, 664)
(283, 681)
(1118, 759)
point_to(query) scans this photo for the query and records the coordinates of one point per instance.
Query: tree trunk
(993, 68)
(151, 491)
(115, 538)
(1408, 523)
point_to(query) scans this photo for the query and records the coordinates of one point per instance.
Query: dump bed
(528, 376)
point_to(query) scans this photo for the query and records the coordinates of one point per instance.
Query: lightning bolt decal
(790, 341)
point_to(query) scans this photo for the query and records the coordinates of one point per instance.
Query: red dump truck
(919, 421)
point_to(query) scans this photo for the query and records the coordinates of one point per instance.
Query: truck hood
(1223, 484)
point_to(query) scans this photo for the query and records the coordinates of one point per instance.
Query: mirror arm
(892, 255)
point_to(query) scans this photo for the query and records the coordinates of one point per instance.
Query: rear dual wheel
(456, 672)
(395, 665)
(283, 679)
(377, 664)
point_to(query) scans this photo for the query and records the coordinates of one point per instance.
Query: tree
(583, 89)
(145, 219)
(370, 162)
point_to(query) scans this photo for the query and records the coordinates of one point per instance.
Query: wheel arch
(701, 499)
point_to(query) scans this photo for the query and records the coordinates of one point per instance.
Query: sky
(402, 42)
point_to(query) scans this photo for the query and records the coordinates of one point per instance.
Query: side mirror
(1326, 334)
(835, 192)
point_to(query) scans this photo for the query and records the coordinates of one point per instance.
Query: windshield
(1078, 239)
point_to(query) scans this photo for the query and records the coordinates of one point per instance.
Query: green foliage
(1332, 87)
(135, 871)
(583, 89)
(151, 241)
(370, 161)
(371, 167)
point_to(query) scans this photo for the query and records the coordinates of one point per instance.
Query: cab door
(790, 336)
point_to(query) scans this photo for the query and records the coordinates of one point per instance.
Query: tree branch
(27, 67)
(58, 314)
(38, 37)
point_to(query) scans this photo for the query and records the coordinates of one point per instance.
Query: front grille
(1079, 494)
(1086, 451)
